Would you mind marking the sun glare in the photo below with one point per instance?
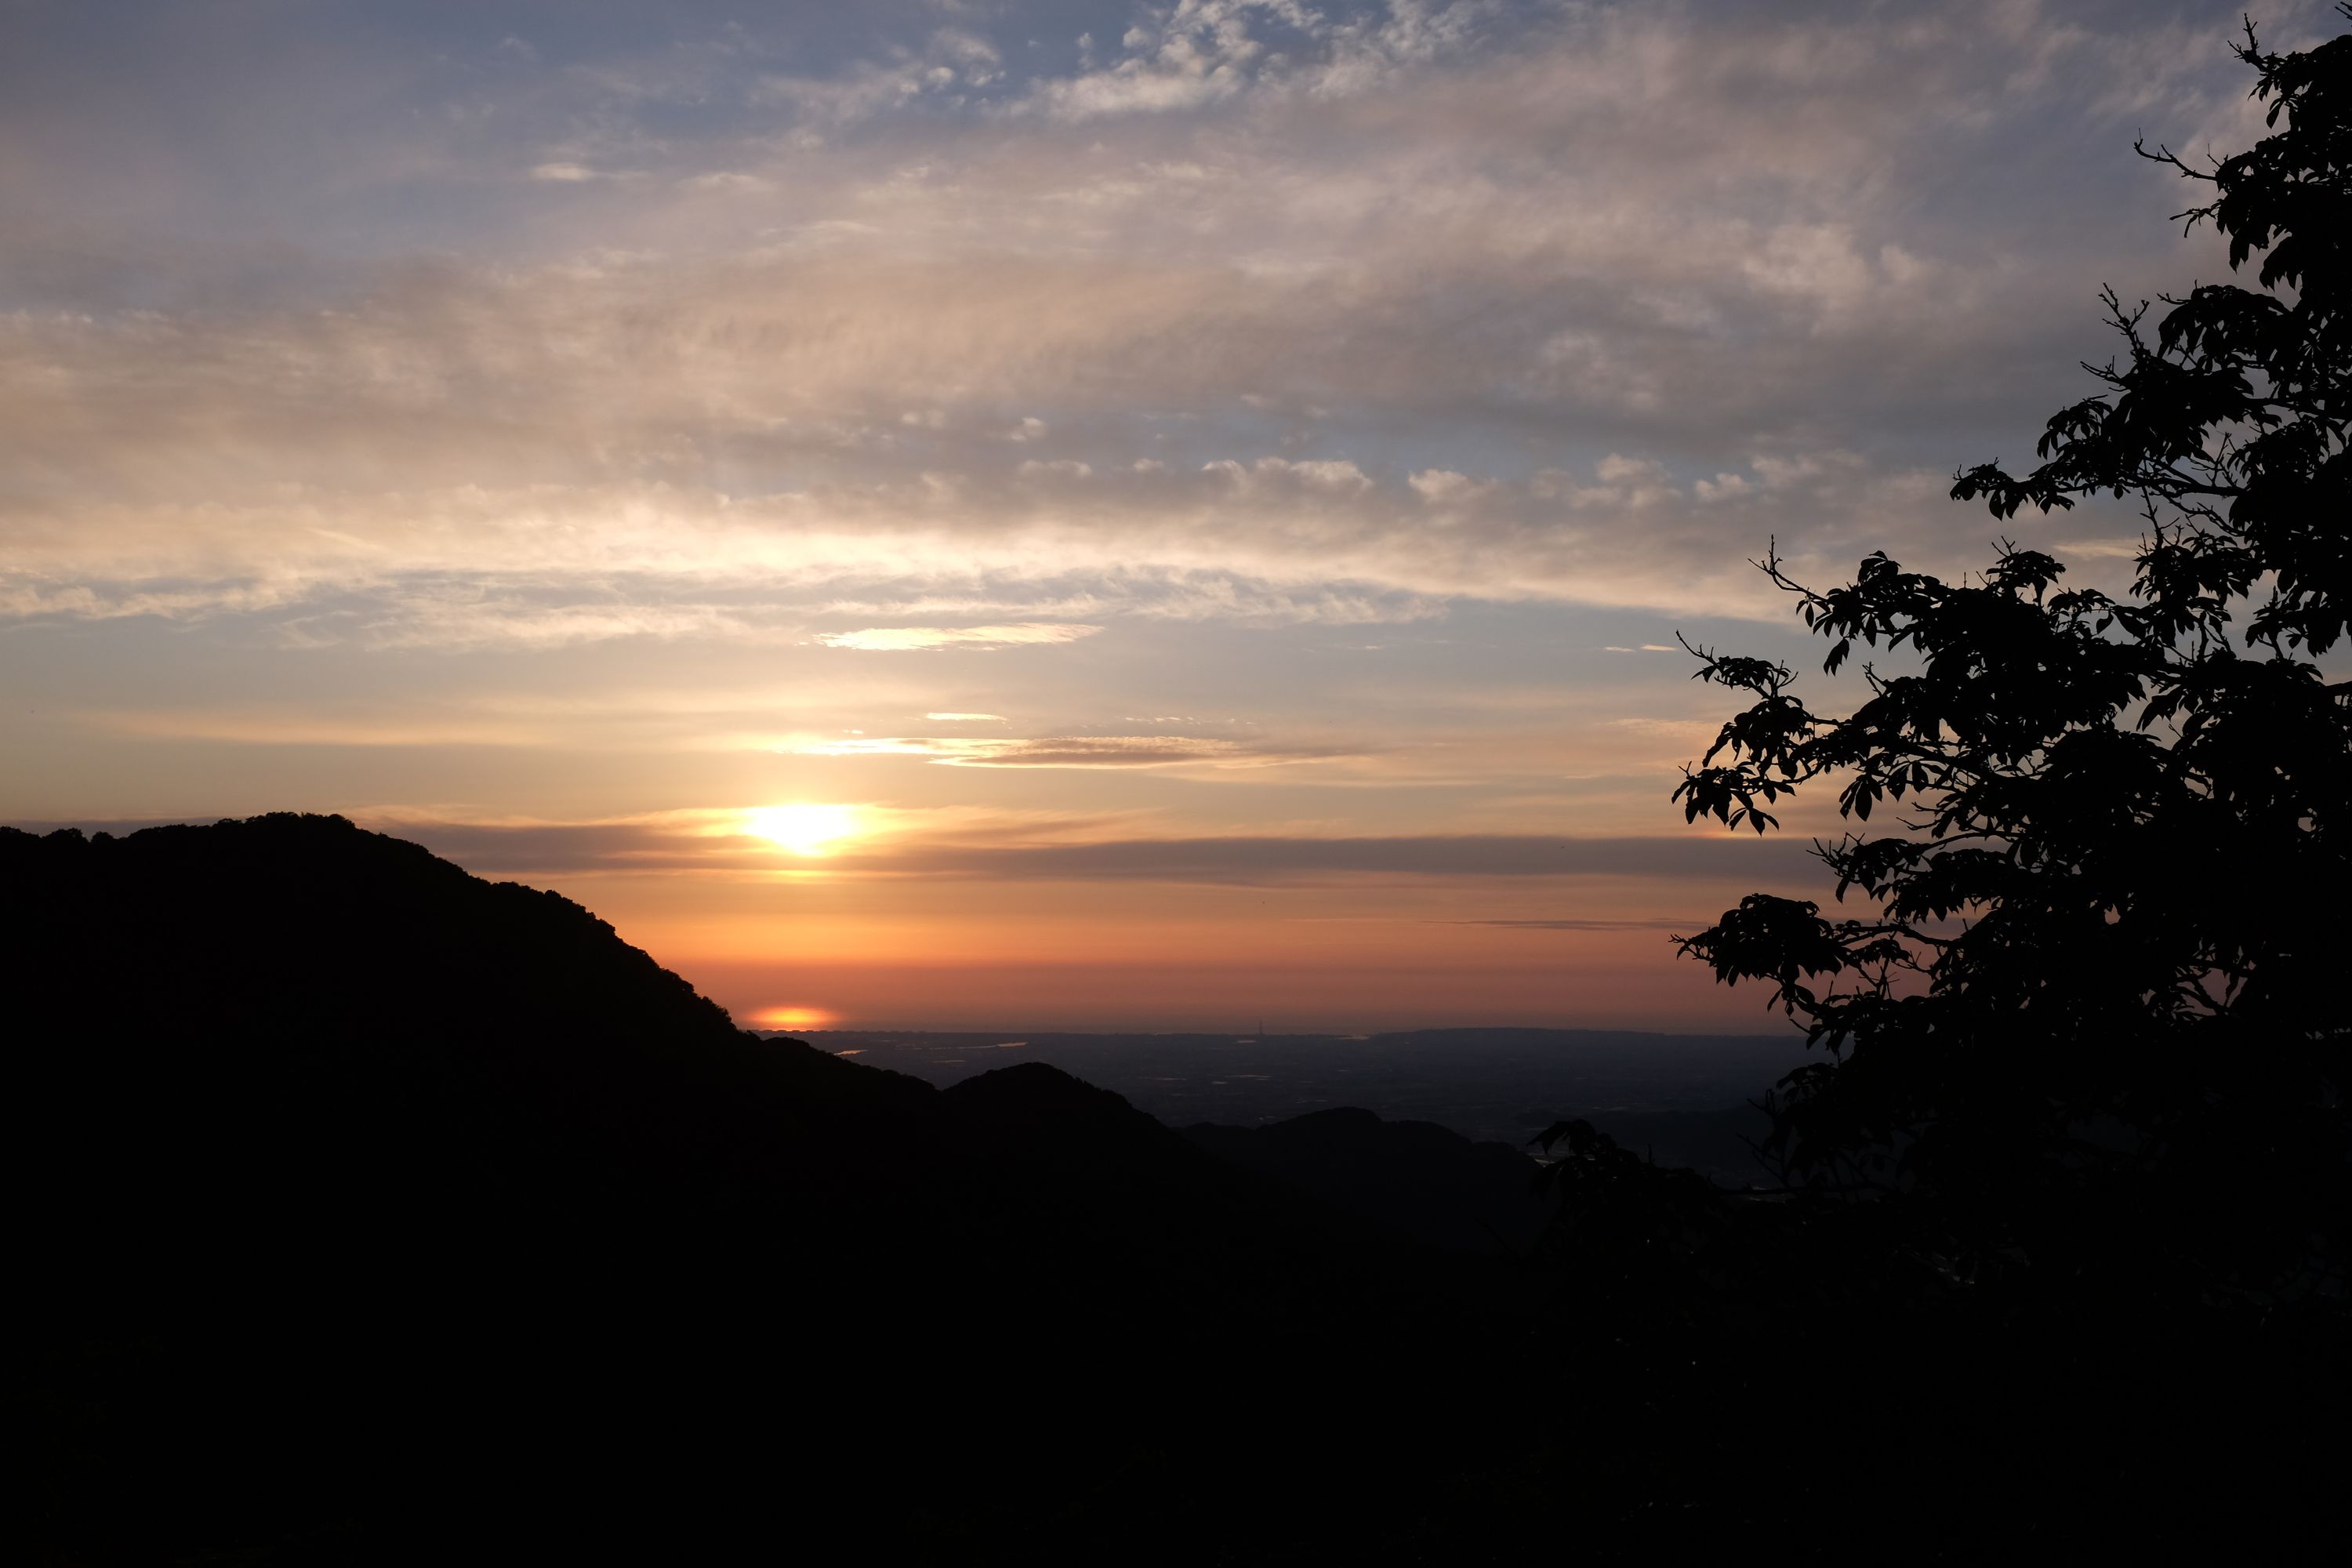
(791, 1018)
(803, 829)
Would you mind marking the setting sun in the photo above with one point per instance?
(803, 829)
(792, 1018)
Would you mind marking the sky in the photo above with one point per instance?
(961, 514)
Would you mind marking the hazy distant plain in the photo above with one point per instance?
(1687, 1097)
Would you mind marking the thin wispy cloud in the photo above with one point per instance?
(1267, 860)
(1045, 850)
(916, 639)
(1081, 751)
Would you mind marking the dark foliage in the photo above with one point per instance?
(2060, 1256)
(1434, 1184)
(2093, 1034)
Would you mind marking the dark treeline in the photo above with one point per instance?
(373, 1212)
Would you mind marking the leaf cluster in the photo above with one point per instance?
(2110, 835)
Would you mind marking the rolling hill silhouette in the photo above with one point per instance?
(373, 1202)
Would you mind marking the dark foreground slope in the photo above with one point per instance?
(372, 1204)
(370, 1212)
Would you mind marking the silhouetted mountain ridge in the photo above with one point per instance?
(327, 1137)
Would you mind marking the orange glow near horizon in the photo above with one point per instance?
(804, 830)
(855, 951)
(792, 1018)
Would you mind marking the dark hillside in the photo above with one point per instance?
(373, 1212)
(1437, 1186)
(369, 1198)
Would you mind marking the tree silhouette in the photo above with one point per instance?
(2096, 1030)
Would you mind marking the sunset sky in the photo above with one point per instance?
(958, 513)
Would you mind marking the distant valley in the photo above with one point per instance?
(1686, 1098)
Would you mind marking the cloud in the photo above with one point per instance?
(269, 726)
(1081, 751)
(2102, 548)
(1205, 52)
(1646, 285)
(462, 620)
(966, 717)
(1016, 849)
(905, 639)
(548, 565)
(729, 179)
(1254, 860)
(556, 848)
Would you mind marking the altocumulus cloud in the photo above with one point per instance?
(1206, 273)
